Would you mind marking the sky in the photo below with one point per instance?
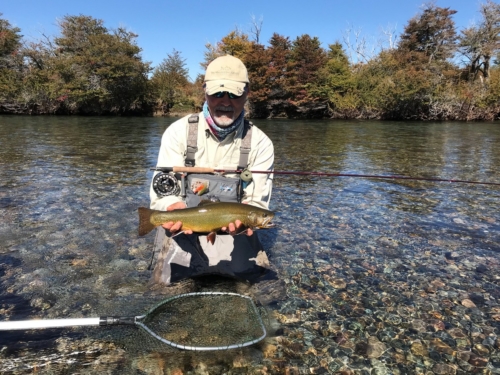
(188, 25)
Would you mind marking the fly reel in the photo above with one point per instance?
(165, 184)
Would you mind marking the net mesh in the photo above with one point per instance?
(212, 320)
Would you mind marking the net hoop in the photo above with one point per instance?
(138, 322)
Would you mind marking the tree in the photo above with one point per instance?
(257, 63)
(336, 82)
(279, 74)
(169, 81)
(308, 57)
(479, 44)
(10, 59)
(431, 33)
(100, 71)
(256, 28)
(235, 43)
(10, 39)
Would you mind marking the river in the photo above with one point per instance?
(379, 276)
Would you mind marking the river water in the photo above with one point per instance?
(378, 276)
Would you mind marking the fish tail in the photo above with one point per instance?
(145, 225)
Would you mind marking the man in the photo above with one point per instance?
(219, 137)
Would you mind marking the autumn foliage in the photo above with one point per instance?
(434, 72)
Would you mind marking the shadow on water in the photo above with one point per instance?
(377, 276)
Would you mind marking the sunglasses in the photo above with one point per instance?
(221, 94)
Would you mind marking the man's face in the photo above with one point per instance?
(225, 110)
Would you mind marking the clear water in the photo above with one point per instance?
(352, 251)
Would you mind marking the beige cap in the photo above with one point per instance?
(226, 73)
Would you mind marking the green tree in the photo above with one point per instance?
(308, 58)
(336, 83)
(170, 81)
(235, 43)
(432, 33)
(100, 71)
(10, 59)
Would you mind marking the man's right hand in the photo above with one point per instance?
(177, 226)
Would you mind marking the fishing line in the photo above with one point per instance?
(198, 321)
(246, 174)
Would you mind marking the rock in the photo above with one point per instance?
(478, 361)
(477, 299)
(444, 369)
(418, 325)
(481, 350)
(441, 347)
(269, 350)
(468, 303)
(338, 283)
(418, 349)
(481, 268)
(456, 333)
(375, 348)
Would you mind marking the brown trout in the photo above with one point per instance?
(207, 218)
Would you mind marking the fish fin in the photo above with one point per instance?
(211, 237)
(145, 225)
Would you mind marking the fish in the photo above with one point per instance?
(209, 217)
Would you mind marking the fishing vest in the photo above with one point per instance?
(213, 187)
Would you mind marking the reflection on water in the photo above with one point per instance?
(382, 276)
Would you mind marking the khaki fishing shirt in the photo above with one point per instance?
(218, 155)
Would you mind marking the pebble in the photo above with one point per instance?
(392, 277)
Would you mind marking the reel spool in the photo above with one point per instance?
(246, 175)
(165, 184)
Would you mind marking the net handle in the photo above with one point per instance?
(70, 322)
(48, 323)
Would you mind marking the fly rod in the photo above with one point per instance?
(246, 175)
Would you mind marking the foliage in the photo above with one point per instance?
(257, 61)
(307, 58)
(90, 69)
(279, 74)
(170, 84)
(479, 44)
(432, 32)
(10, 59)
(336, 82)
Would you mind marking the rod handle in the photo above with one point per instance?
(193, 169)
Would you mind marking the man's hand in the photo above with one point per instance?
(177, 226)
(232, 228)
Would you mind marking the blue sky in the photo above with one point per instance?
(187, 25)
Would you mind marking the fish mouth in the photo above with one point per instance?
(267, 223)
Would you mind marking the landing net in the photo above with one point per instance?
(205, 321)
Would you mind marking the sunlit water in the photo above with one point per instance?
(364, 260)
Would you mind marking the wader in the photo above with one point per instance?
(184, 256)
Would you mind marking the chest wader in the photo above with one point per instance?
(185, 256)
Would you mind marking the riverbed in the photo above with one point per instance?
(374, 275)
